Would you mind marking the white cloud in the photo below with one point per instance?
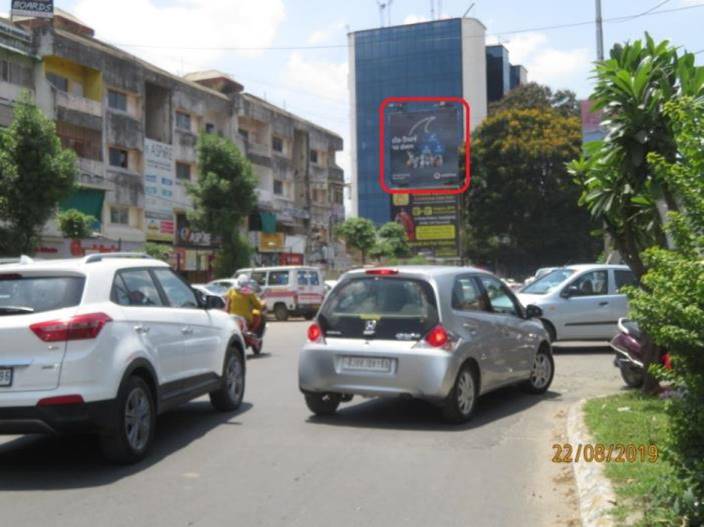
(212, 24)
(415, 19)
(333, 33)
(317, 77)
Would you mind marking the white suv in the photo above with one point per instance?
(105, 343)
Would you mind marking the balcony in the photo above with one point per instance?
(257, 149)
(77, 103)
(91, 172)
(336, 174)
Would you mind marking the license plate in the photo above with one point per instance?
(366, 364)
(5, 377)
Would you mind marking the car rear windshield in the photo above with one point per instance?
(542, 286)
(35, 294)
(380, 308)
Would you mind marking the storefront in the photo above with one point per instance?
(193, 253)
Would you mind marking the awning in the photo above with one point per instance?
(88, 201)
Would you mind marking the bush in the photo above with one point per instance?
(75, 225)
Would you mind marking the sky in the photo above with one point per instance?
(252, 40)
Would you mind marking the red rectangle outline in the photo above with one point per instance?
(382, 149)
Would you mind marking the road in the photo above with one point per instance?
(378, 462)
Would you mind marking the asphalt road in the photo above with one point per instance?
(378, 462)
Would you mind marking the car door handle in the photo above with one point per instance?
(141, 329)
(603, 304)
(187, 331)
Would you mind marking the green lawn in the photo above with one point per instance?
(632, 418)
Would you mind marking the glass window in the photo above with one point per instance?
(278, 187)
(302, 278)
(57, 81)
(313, 156)
(499, 297)
(134, 287)
(209, 128)
(21, 295)
(549, 282)
(277, 144)
(120, 215)
(183, 171)
(177, 291)
(117, 100)
(466, 296)
(183, 121)
(243, 133)
(118, 157)
(259, 277)
(278, 278)
(592, 284)
(624, 278)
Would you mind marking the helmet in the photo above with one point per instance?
(242, 282)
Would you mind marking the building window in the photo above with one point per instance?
(120, 215)
(277, 144)
(183, 171)
(278, 187)
(243, 133)
(57, 81)
(118, 157)
(183, 121)
(209, 128)
(117, 100)
(313, 156)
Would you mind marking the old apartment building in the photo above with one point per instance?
(135, 129)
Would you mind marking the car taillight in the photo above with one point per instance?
(315, 333)
(437, 337)
(382, 272)
(80, 327)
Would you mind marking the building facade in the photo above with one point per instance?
(135, 130)
(442, 58)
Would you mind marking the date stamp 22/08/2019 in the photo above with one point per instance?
(603, 453)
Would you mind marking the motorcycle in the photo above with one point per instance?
(628, 345)
(253, 337)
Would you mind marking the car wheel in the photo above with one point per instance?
(632, 377)
(552, 332)
(541, 373)
(462, 400)
(229, 396)
(323, 403)
(280, 312)
(135, 426)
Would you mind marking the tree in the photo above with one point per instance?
(158, 251)
(222, 198)
(670, 306)
(619, 186)
(391, 242)
(358, 233)
(521, 210)
(33, 169)
(533, 95)
(75, 225)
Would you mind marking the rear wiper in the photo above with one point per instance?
(13, 310)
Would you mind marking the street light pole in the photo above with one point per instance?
(599, 32)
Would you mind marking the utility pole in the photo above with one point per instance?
(599, 32)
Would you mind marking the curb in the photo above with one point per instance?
(594, 490)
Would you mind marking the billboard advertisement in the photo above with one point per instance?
(186, 236)
(33, 8)
(431, 222)
(159, 191)
(423, 147)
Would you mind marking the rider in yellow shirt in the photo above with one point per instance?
(243, 301)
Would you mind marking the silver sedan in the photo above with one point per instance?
(444, 334)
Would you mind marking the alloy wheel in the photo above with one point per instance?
(234, 378)
(138, 419)
(540, 374)
(465, 392)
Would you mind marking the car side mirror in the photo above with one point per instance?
(214, 302)
(570, 291)
(533, 311)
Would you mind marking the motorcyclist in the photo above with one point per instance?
(244, 302)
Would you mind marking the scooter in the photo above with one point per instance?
(628, 345)
(253, 339)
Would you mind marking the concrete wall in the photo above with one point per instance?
(474, 69)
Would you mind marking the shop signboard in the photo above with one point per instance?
(159, 191)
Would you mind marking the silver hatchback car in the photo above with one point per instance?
(443, 334)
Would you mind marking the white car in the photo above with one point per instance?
(104, 344)
(581, 302)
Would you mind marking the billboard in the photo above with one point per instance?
(159, 191)
(33, 8)
(186, 236)
(431, 222)
(424, 148)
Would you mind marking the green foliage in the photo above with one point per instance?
(619, 186)
(670, 307)
(75, 225)
(223, 197)
(391, 242)
(533, 95)
(33, 169)
(158, 251)
(358, 233)
(521, 210)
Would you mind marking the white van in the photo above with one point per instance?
(289, 290)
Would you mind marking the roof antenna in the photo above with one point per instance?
(432, 9)
(382, 6)
(469, 9)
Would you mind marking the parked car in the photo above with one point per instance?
(289, 290)
(444, 334)
(223, 285)
(581, 302)
(539, 274)
(105, 343)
